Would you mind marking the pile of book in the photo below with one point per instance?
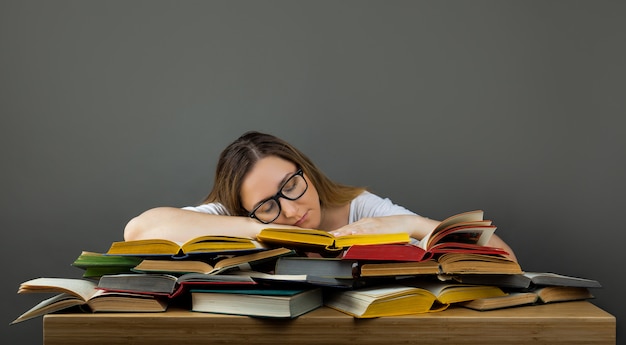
(288, 272)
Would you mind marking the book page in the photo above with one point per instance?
(77, 287)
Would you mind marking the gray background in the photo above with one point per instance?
(113, 107)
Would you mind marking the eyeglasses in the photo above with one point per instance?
(269, 209)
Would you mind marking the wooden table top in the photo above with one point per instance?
(578, 322)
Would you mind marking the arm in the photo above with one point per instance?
(416, 226)
(181, 225)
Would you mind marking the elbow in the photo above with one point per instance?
(132, 231)
(146, 225)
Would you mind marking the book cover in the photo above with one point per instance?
(96, 265)
(321, 267)
(272, 303)
(527, 280)
(382, 300)
(321, 241)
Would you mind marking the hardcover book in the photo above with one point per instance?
(321, 241)
(461, 233)
(199, 245)
(277, 303)
(222, 264)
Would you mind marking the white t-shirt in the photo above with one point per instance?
(363, 206)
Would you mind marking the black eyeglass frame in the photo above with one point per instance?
(280, 195)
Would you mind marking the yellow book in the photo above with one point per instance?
(449, 293)
(383, 300)
(319, 240)
(199, 245)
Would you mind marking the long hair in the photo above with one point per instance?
(240, 156)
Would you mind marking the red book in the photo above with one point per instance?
(411, 252)
(465, 232)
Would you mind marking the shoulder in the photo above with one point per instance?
(371, 205)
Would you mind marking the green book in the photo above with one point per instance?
(97, 264)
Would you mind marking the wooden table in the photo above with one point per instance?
(559, 323)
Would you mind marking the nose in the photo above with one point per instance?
(289, 208)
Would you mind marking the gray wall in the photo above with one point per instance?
(113, 107)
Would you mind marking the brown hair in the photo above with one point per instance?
(241, 155)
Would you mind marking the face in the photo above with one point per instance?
(266, 178)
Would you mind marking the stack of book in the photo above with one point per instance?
(289, 272)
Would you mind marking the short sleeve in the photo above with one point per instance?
(370, 205)
(210, 208)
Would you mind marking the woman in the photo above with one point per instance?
(261, 179)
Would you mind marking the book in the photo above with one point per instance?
(143, 283)
(412, 252)
(277, 303)
(467, 227)
(446, 264)
(313, 240)
(222, 264)
(527, 280)
(551, 294)
(72, 292)
(470, 263)
(315, 266)
(199, 245)
(465, 232)
(96, 265)
(160, 284)
(512, 299)
(541, 295)
(282, 280)
(387, 269)
(448, 293)
(382, 300)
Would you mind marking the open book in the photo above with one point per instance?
(79, 292)
(199, 245)
(461, 233)
(465, 228)
(321, 241)
(460, 264)
(169, 277)
(540, 295)
(382, 300)
(403, 299)
(242, 262)
(167, 285)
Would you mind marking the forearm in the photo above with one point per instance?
(416, 226)
(181, 225)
